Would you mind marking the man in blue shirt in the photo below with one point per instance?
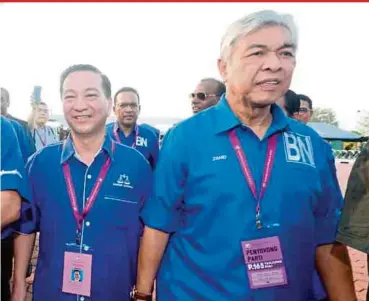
(88, 192)
(206, 94)
(237, 213)
(126, 130)
(21, 128)
(14, 190)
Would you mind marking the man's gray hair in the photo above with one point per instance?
(253, 22)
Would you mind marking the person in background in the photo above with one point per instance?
(306, 108)
(88, 192)
(207, 94)
(15, 199)
(290, 104)
(354, 226)
(25, 141)
(249, 207)
(42, 134)
(27, 148)
(126, 130)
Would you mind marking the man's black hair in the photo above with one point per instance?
(221, 88)
(291, 103)
(126, 89)
(307, 99)
(105, 82)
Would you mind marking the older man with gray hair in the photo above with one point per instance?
(229, 219)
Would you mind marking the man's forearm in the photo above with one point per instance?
(334, 267)
(152, 248)
(10, 207)
(23, 248)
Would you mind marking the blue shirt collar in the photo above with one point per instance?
(227, 120)
(117, 127)
(68, 150)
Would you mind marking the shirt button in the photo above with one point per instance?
(82, 299)
(86, 248)
(88, 224)
(89, 177)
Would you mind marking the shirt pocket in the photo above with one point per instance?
(124, 212)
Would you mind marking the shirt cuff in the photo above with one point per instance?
(326, 230)
(157, 217)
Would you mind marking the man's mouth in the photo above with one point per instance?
(269, 82)
(82, 117)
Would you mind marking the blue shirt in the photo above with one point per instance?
(147, 142)
(154, 129)
(110, 231)
(202, 199)
(13, 175)
(26, 144)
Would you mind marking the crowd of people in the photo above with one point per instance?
(238, 202)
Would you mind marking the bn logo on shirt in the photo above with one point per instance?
(140, 141)
(298, 149)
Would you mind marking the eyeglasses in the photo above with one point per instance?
(304, 110)
(201, 95)
(133, 106)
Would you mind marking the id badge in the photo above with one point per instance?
(77, 274)
(264, 262)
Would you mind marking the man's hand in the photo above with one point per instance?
(19, 292)
(30, 279)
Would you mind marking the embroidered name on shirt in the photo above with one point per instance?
(140, 141)
(217, 158)
(123, 181)
(298, 149)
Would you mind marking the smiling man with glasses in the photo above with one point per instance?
(126, 130)
(206, 94)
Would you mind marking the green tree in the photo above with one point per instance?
(325, 115)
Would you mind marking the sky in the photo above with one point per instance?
(164, 49)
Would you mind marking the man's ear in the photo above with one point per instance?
(222, 67)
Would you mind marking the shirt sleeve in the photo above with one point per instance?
(163, 209)
(29, 223)
(354, 228)
(14, 176)
(155, 151)
(330, 201)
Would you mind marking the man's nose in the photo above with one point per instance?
(80, 104)
(272, 62)
(195, 100)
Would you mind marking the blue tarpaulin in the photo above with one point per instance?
(331, 132)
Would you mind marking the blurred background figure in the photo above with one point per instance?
(306, 108)
(42, 134)
(290, 103)
(207, 94)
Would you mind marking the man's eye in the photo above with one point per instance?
(91, 95)
(287, 53)
(258, 53)
(68, 97)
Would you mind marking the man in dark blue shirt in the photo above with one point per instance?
(88, 192)
(126, 130)
(14, 190)
(229, 218)
(25, 140)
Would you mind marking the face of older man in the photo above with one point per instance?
(260, 65)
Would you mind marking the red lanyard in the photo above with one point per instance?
(92, 197)
(268, 165)
(43, 141)
(117, 138)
